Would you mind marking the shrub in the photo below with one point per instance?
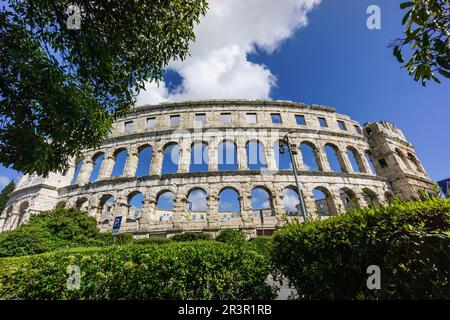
(191, 236)
(410, 242)
(260, 244)
(195, 270)
(152, 240)
(55, 229)
(231, 236)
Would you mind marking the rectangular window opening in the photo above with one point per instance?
(323, 122)
(276, 118)
(175, 121)
(251, 118)
(300, 119)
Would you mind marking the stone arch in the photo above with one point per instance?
(120, 160)
(229, 201)
(165, 200)
(335, 161)
(78, 165)
(107, 204)
(310, 156)
(227, 156)
(349, 198)
(145, 156)
(266, 203)
(171, 158)
(82, 204)
(256, 159)
(135, 201)
(282, 155)
(198, 197)
(97, 160)
(291, 200)
(355, 159)
(412, 158)
(371, 198)
(324, 201)
(199, 160)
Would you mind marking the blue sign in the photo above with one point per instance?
(445, 186)
(116, 225)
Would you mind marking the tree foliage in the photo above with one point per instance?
(427, 33)
(4, 195)
(61, 89)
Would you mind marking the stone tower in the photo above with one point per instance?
(395, 158)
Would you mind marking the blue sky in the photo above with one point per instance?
(332, 60)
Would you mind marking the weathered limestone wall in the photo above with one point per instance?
(132, 133)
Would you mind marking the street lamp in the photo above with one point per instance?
(283, 148)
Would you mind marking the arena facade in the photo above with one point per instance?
(233, 149)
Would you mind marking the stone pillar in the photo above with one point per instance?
(299, 159)
(213, 156)
(322, 159)
(241, 154)
(157, 162)
(185, 156)
(148, 208)
(93, 208)
(85, 172)
(213, 212)
(362, 162)
(71, 169)
(107, 166)
(345, 162)
(246, 209)
(179, 209)
(270, 155)
(310, 205)
(278, 206)
(132, 162)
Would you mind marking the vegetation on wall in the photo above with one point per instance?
(4, 194)
(409, 241)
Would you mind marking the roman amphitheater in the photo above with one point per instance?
(200, 165)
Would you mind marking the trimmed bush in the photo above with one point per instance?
(56, 229)
(152, 240)
(410, 242)
(231, 236)
(194, 270)
(260, 244)
(191, 236)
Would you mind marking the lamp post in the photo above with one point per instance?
(294, 168)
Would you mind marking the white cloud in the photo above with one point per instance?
(218, 66)
(198, 200)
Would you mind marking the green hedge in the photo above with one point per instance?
(191, 236)
(152, 240)
(56, 229)
(195, 270)
(231, 236)
(410, 242)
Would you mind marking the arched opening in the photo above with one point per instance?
(78, 166)
(120, 159)
(369, 159)
(309, 155)
(354, 158)
(165, 206)
(227, 156)
(199, 157)
(282, 155)
(98, 160)
(106, 205)
(334, 161)
(256, 159)
(415, 162)
(261, 202)
(403, 159)
(371, 198)
(349, 199)
(324, 201)
(23, 209)
(82, 204)
(144, 162)
(291, 201)
(135, 203)
(197, 204)
(229, 204)
(171, 156)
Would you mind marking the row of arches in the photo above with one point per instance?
(230, 202)
(227, 159)
(409, 161)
